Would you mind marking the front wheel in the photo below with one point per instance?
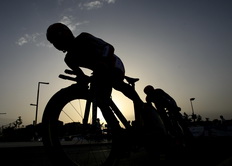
(70, 142)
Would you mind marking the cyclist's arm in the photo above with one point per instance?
(78, 72)
(171, 102)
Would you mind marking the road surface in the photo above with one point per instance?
(205, 152)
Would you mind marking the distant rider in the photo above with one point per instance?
(164, 103)
(161, 99)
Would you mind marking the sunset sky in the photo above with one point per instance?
(181, 46)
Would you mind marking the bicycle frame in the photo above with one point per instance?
(114, 108)
(92, 100)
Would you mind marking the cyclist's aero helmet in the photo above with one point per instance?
(148, 89)
(58, 31)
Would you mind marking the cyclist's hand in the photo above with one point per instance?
(83, 79)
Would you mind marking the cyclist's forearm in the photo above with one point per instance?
(79, 72)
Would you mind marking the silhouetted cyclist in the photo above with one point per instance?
(161, 99)
(162, 102)
(93, 53)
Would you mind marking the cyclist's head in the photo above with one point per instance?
(148, 89)
(60, 36)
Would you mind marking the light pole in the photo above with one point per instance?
(37, 101)
(193, 115)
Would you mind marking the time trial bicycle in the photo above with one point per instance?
(74, 136)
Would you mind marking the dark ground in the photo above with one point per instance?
(210, 151)
(206, 151)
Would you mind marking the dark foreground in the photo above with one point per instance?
(206, 151)
(214, 151)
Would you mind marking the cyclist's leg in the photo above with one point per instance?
(103, 87)
(129, 92)
(104, 81)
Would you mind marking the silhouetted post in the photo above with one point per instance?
(193, 115)
(37, 101)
